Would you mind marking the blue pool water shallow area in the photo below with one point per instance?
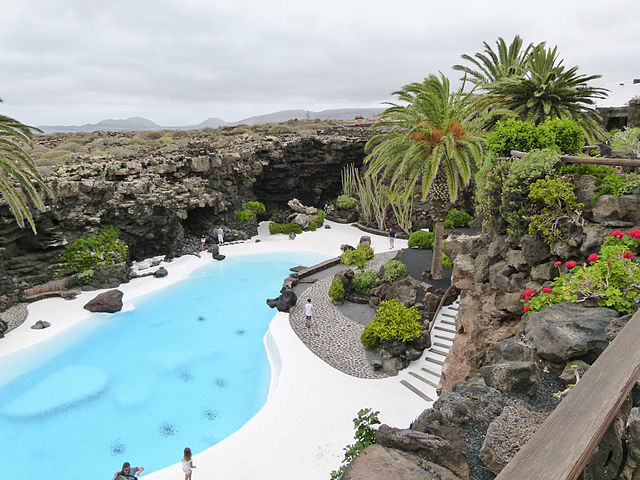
(187, 367)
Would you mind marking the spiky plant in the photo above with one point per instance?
(490, 66)
(18, 172)
(433, 141)
(549, 90)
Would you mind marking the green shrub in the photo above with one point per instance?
(395, 322)
(95, 250)
(251, 210)
(393, 270)
(446, 262)
(363, 282)
(421, 239)
(345, 202)
(561, 135)
(555, 200)
(611, 278)
(598, 171)
(285, 228)
(354, 257)
(336, 290)
(368, 338)
(317, 221)
(244, 215)
(365, 435)
(617, 183)
(457, 219)
(366, 250)
(627, 139)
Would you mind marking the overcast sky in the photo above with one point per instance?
(180, 62)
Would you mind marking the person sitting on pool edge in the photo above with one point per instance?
(127, 473)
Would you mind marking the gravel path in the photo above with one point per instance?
(15, 315)
(335, 331)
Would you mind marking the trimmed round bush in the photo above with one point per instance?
(366, 250)
(421, 239)
(393, 270)
(284, 228)
(368, 337)
(457, 219)
(336, 290)
(363, 282)
(345, 202)
(354, 257)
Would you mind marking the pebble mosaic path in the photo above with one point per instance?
(333, 337)
(15, 315)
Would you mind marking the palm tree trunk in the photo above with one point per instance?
(436, 262)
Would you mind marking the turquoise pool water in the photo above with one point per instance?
(187, 367)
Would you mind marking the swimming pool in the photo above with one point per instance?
(187, 367)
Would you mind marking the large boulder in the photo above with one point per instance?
(502, 440)
(455, 245)
(379, 463)
(610, 208)
(535, 249)
(298, 207)
(302, 219)
(285, 301)
(510, 376)
(109, 302)
(568, 330)
(450, 453)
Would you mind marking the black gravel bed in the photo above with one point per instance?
(419, 261)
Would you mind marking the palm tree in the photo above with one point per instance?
(432, 141)
(548, 90)
(492, 66)
(18, 172)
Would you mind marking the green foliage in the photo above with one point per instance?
(354, 257)
(598, 171)
(251, 211)
(336, 290)
(421, 239)
(612, 280)
(617, 183)
(345, 203)
(284, 228)
(457, 219)
(278, 216)
(567, 135)
(395, 322)
(368, 338)
(556, 202)
(393, 270)
(446, 261)
(317, 221)
(95, 250)
(627, 139)
(366, 250)
(365, 435)
(363, 282)
(244, 215)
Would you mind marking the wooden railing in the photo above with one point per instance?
(562, 446)
(623, 162)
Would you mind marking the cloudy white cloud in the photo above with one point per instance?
(179, 62)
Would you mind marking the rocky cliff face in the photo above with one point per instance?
(159, 198)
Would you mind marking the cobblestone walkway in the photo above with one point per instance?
(15, 315)
(332, 336)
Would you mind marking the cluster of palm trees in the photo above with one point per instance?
(433, 139)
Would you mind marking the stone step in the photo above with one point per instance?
(438, 344)
(433, 360)
(447, 315)
(448, 322)
(438, 352)
(435, 374)
(443, 329)
(422, 379)
(442, 337)
(416, 391)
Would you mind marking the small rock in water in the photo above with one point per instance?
(201, 318)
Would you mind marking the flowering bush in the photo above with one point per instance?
(612, 279)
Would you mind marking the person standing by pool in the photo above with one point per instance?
(187, 464)
(392, 237)
(308, 311)
(220, 233)
(127, 473)
(202, 242)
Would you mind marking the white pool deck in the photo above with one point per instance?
(307, 420)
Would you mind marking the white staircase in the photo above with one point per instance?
(423, 375)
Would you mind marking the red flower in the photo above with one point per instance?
(634, 233)
(526, 308)
(547, 290)
(628, 255)
(528, 292)
(617, 233)
(570, 264)
(557, 264)
(593, 257)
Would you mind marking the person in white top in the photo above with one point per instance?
(308, 311)
(187, 464)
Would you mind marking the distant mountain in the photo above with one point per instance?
(138, 123)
